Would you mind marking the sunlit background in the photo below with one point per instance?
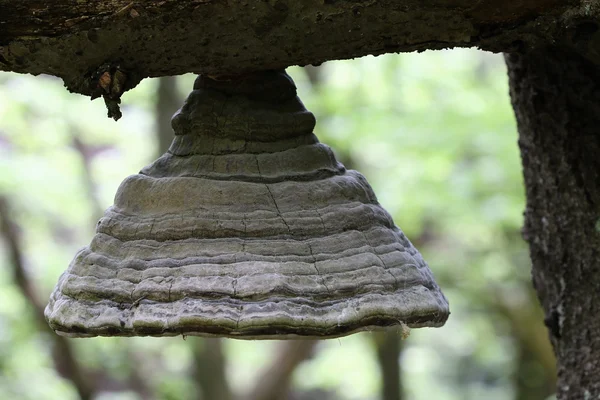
(435, 136)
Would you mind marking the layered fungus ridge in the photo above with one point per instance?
(247, 227)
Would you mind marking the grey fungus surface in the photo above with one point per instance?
(248, 228)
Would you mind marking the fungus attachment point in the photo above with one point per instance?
(248, 228)
(109, 81)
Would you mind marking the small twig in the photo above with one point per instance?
(137, 302)
(123, 10)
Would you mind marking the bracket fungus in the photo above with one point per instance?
(247, 228)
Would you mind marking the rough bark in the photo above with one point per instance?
(556, 97)
(76, 39)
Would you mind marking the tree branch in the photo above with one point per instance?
(88, 178)
(78, 40)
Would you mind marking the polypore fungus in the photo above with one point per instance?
(248, 228)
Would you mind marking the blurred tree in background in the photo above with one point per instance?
(435, 136)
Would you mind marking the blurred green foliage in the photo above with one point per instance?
(435, 136)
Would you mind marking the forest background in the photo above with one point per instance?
(435, 136)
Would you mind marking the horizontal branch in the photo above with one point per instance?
(78, 40)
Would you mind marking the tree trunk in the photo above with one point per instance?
(556, 97)
(210, 364)
(274, 381)
(389, 346)
(168, 101)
